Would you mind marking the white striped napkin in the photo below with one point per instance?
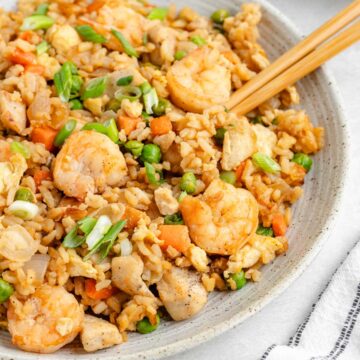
(331, 330)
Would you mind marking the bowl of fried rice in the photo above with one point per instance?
(139, 216)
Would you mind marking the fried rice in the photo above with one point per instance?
(127, 189)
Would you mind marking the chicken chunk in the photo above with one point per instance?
(98, 334)
(165, 201)
(182, 293)
(12, 111)
(126, 275)
(239, 144)
(63, 38)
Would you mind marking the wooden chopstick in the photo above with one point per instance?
(323, 33)
(305, 66)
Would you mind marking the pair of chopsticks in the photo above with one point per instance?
(299, 61)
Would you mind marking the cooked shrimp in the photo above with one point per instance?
(39, 324)
(200, 80)
(87, 163)
(222, 219)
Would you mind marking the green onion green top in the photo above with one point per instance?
(42, 9)
(65, 132)
(158, 13)
(144, 326)
(175, 219)
(24, 194)
(188, 183)
(112, 130)
(154, 177)
(266, 163)
(151, 153)
(135, 147)
(180, 55)
(219, 16)
(239, 279)
(37, 22)
(304, 160)
(72, 240)
(128, 48)
(75, 104)
(198, 40)
(63, 81)
(219, 136)
(124, 81)
(94, 88)
(265, 231)
(161, 107)
(87, 33)
(6, 290)
(228, 176)
(19, 148)
(129, 92)
(87, 224)
(42, 48)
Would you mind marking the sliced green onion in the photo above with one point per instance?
(256, 120)
(275, 121)
(113, 105)
(87, 33)
(87, 224)
(198, 40)
(37, 22)
(151, 174)
(228, 176)
(42, 48)
(100, 128)
(65, 132)
(76, 85)
(145, 87)
(158, 13)
(265, 231)
(112, 130)
(175, 219)
(239, 279)
(144, 326)
(73, 68)
(42, 9)
(6, 290)
(151, 100)
(101, 227)
(19, 148)
(151, 153)
(188, 183)
(124, 81)
(161, 107)
(75, 104)
(24, 194)
(72, 240)
(129, 92)
(146, 117)
(128, 48)
(63, 81)
(303, 160)
(179, 55)
(219, 16)
(182, 196)
(94, 88)
(145, 39)
(266, 163)
(135, 147)
(219, 136)
(23, 209)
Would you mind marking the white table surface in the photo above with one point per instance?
(279, 320)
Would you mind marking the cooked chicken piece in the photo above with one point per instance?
(77, 267)
(182, 293)
(265, 139)
(98, 334)
(126, 275)
(63, 38)
(239, 144)
(12, 111)
(165, 201)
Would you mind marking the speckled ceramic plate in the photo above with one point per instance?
(313, 217)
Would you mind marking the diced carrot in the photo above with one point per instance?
(29, 36)
(95, 5)
(127, 123)
(41, 175)
(239, 171)
(176, 236)
(36, 69)
(92, 293)
(21, 57)
(44, 135)
(279, 224)
(132, 217)
(161, 125)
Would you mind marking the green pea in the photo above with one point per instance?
(228, 176)
(219, 136)
(160, 108)
(75, 104)
(219, 16)
(180, 55)
(65, 132)
(188, 183)
(24, 194)
(304, 160)
(265, 231)
(135, 147)
(151, 153)
(175, 219)
(239, 279)
(6, 290)
(144, 326)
